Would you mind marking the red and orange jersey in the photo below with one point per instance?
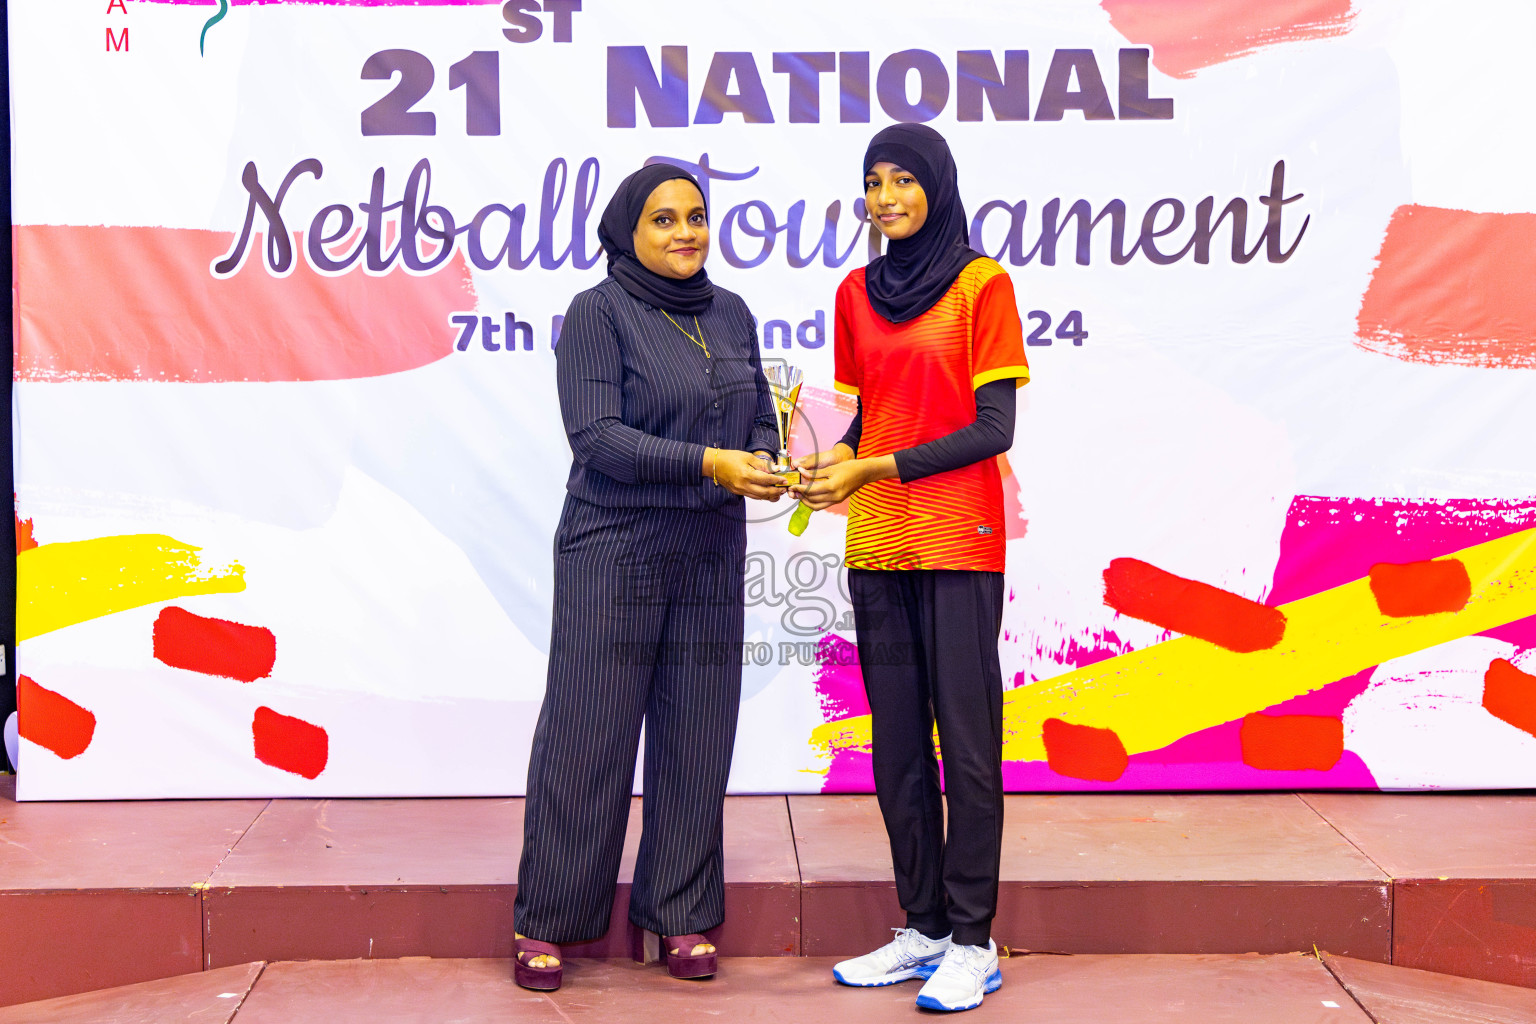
(918, 382)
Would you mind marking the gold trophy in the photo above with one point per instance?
(784, 382)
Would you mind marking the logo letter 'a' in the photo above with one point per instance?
(117, 5)
(114, 43)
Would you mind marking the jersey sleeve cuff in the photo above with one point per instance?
(847, 389)
(1018, 373)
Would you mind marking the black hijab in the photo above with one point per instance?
(616, 232)
(916, 271)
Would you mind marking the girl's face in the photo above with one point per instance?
(896, 203)
(672, 236)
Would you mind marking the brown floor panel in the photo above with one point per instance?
(306, 923)
(338, 879)
(336, 843)
(116, 844)
(1400, 995)
(394, 992)
(1437, 835)
(210, 997)
(762, 884)
(1196, 917)
(58, 943)
(1113, 873)
(783, 990)
(96, 894)
(1464, 865)
(109, 893)
(1476, 929)
(1155, 989)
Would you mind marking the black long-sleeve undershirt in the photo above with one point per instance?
(990, 435)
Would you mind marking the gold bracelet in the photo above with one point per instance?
(714, 468)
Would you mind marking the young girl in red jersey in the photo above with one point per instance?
(928, 337)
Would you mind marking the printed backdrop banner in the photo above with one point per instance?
(290, 277)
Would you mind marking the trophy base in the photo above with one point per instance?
(787, 471)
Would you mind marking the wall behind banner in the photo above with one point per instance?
(290, 277)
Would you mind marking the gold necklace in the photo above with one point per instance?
(699, 341)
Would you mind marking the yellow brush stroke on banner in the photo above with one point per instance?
(58, 585)
(1159, 694)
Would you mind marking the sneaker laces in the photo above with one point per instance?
(907, 945)
(963, 960)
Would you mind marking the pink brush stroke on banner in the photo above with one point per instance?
(840, 688)
(1079, 651)
(139, 303)
(1454, 288)
(1209, 759)
(1187, 35)
(1326, 542)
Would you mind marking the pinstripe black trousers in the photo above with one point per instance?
(648, 622)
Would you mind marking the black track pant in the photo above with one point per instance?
(927, 643)
(647, 628)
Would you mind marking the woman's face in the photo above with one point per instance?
(672, 237)
(896, 203)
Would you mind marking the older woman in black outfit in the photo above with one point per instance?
(665, 406)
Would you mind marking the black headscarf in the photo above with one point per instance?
(916, 271)
(616, 232)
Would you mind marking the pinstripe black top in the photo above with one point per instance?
(641, 402)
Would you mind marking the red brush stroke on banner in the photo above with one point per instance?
(1142, 591)
(115, 303)
(1083, 752)
(1453, 287)
(24, 541)
(1510, 695)
(1186, 35)
(1292, 743)
(52, 720)
(1420, 588)
(213, 647)
(291, 744)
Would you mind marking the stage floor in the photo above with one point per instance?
(94, 895)
(1289, 988)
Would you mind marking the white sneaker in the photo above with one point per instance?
(966, 974)
(911, 954)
